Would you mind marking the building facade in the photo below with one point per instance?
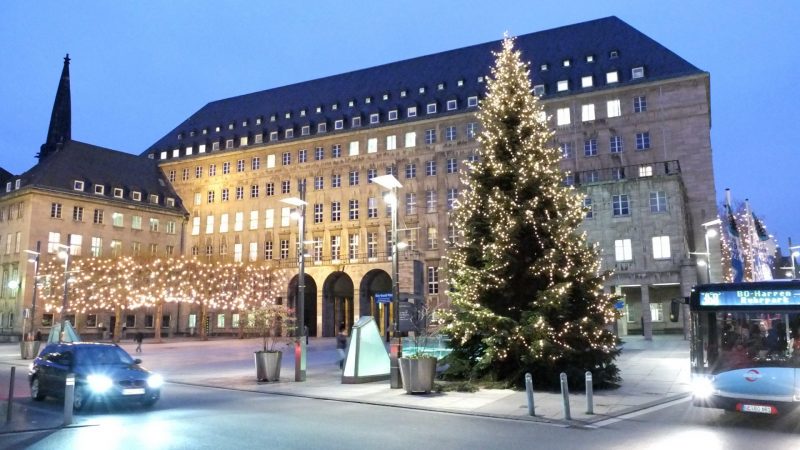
(631, 118)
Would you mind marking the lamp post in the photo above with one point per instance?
(794, 252)
(392, 184)
(300, 343)
(65, 255)
(35, 260)
(708, 233)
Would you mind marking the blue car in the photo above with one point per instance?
(102, 372)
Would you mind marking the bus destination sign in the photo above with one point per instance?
(751, 297)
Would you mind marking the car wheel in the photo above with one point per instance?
(78, 399)
(36, 390)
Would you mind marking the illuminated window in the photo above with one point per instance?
(623, 250)
(661, 248)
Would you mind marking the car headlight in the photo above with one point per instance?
(703, 387)
(99, 383)
(155, 381)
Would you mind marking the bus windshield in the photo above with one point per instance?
(738, 340)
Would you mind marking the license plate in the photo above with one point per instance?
(761, 409)
(133, 391)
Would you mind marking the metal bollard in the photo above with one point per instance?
(529, 391)
(11, 394)
(69, 396)
(589, 393)
(565, 396)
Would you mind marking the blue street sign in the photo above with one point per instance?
(383, 297)
(620, 304)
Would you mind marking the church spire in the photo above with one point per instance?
(60, 130)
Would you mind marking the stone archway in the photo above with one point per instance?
(375, 281)
(337, 303)
(309, 302)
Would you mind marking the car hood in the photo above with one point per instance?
(116, 372)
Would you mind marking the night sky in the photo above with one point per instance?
(140, 68)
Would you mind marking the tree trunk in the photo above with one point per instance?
(202, 325)
(159, 313)
(117, 324)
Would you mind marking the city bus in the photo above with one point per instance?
(745, 346)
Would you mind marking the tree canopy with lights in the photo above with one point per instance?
(527, 292)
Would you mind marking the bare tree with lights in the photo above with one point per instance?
(527, 291)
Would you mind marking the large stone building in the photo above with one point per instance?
(632, 120)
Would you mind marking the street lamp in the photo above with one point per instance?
(794, 252)
(35, 260)
(64, 254)
(300, 343)
(709, 233)
(392, 184)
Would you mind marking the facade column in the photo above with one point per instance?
(647, 319)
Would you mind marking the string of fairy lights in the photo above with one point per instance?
(518, 184)
(129, 283)
(749, 229)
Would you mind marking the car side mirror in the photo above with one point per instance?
(137, 361)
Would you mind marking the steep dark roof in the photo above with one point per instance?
(100, 166)
(574, 42)
(60, 129)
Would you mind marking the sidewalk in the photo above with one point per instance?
(652, 372)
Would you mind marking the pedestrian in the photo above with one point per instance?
(138, 338)
(341, 344)
(38, 335)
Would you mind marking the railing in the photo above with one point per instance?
(361, 258)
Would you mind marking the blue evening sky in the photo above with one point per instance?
(140, 68)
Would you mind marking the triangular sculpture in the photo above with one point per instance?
(366, 359)
(70, 335)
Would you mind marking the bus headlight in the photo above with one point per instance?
(155, 381)
(703, 387)
(99, 383)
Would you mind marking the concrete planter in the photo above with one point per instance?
(268, 365)
(29, 349)
(418, 374)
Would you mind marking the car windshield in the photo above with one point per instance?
(103, 356)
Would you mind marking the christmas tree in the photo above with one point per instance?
(527, 294)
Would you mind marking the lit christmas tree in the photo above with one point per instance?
(527, 293)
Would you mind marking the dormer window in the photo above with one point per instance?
(338, 125)
(460, 82)
(273, 118)
(440, 86)
(77, 185)
(258, 121)
(422, 90)
(403, 94)
(230, 126)
(188, 150)
(356, 122)
(118, 192)
(8, 187)
(305, 130)
(392, 114)
(563, 85)
(385, 97)
(205, 130)
(334, 106)
(589, 58)
(613, 54)
(566, 63)
(154, 199)
(244, 123)
(538, 90)
(302, 113)
(319, 109)
(322, 127)
(544, 67)
(217, 129)
(163, 155)
(136, 196)
(170, 202)
(180, 136)
(368, 100)
(374, 118)
(587, 81)
(99, 189)
(411, 112)
(431, 109)
(351, 103)
(612, 77)
(229, 143)
(472, 101)
(637, 72)
(288, 115)
(17, 183)
(288, 133)
(452, 104)
(176, 152)
(273, 136)
(480, 79)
